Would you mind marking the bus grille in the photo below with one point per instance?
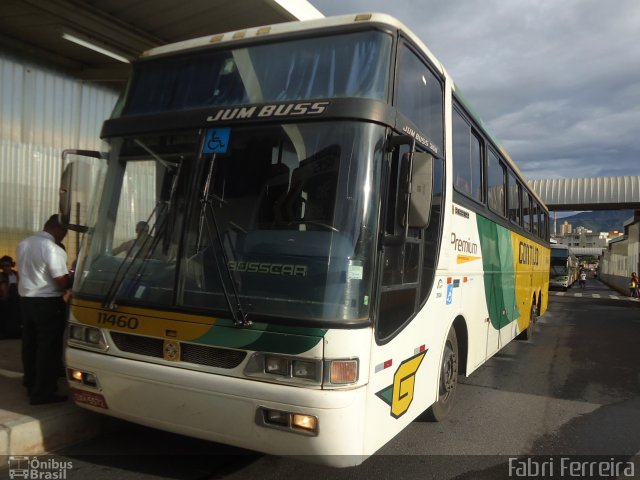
(189, 352)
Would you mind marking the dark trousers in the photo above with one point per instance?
(43, 323)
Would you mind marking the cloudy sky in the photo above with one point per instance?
(556, 81)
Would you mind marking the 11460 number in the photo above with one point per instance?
(120, 321)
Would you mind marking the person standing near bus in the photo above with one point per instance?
(9, 299)
(44, 279)
(583, 279)
(633, 285)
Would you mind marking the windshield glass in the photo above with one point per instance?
(559, 270)
(350, 65)
(278, 220)
(131, 252)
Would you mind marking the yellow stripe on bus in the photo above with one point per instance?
(142, 321)
(467, 258)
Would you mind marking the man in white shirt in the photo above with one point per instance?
(44, 279)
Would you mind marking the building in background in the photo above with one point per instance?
(584, 238)
(42, 112)
(622, 256)
(565, 228)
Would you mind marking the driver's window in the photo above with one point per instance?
(401, 258)
(137, 201)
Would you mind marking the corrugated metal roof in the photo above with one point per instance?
(34, 28)
(605, 193)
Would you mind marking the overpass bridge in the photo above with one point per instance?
(621, 256)
(603, 193)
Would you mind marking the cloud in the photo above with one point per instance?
(555, 81)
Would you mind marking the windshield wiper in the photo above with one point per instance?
(157, 230)
(238, 314)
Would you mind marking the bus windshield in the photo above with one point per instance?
(280, 221)
(349, 65)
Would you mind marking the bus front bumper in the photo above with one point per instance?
(223, 409)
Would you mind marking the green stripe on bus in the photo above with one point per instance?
(262, 337)
(499, 272)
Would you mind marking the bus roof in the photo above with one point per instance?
(278, 29)
(336, 22)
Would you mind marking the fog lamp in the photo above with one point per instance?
(308, 423)
(277, 417)
(90, 380)
(75, 375)
(80, 376)
(299, 423)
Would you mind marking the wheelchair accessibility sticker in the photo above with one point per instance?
(449, 294)
(217, 140)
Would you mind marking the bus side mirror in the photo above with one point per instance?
(76, 181)
(420, 196)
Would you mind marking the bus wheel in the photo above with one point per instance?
(448, 380)
(527, 334)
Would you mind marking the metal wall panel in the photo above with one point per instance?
(42, 112)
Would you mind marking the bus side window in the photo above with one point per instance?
(514, 200)
(535, 220)
(495, 184)
(544, 225)
(526, 211)
(467, 158)
(420, 95)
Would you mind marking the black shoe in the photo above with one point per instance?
(51, 399)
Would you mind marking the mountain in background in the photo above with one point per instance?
(597, 221)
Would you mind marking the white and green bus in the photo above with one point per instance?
(563, 271)
(331, 237)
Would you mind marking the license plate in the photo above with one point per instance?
(88, 398)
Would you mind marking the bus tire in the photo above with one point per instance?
(447, 382)
(527, 334)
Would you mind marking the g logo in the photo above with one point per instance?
(404, 382)
(400, 395)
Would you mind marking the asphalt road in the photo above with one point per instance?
(571, 392)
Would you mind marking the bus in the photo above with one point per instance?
(563, 271)
(330, 238)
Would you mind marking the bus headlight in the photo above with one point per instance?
(83, 336)
(305, 369)
(334, 373)
(278, 368)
